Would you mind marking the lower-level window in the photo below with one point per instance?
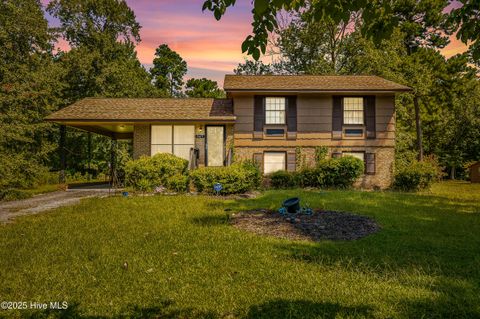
(173, 139)
(359, 155)
(274, 161)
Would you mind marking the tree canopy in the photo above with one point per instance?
(168, 71)
(203, 88)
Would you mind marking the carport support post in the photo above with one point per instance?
(113, 147)
(89, 154)
(63, 157)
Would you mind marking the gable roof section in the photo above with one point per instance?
(313, 83)
(145, 109)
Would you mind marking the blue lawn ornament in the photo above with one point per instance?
(217, 187)
(125, 194)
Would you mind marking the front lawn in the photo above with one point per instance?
(176, 256)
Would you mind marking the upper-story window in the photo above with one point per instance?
(353, 110)
(274, 110)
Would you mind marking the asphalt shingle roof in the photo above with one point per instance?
(330, 83)
(146, 109)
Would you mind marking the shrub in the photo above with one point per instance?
(339, 172)
(147, 173)
(335, 172)
(13, 194)
(236, 178)
(416, 176)
(283, 179)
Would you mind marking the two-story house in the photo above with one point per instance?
(268, 118)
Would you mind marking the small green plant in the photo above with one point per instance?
(320, 153)
(300, 158)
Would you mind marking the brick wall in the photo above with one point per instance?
(384, 161)
(141, 140)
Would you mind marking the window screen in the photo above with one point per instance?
(174, 139)
(353, 110)
(274, 161)
(274, 110)
(359, 155)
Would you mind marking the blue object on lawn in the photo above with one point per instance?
(125, 194)
(217, 187)
(292, 205)
(282, 210)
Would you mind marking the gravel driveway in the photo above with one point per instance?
(43, 202)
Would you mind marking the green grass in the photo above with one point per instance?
(185, 261)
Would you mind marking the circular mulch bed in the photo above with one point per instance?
(322, 224)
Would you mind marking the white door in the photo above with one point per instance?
(274, 161)
(215, 148)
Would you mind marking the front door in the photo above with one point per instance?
(215, 149)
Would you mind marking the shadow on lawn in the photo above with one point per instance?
(279, 308)
(164, 311)
(282, 308)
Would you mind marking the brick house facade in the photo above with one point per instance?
(273, 120)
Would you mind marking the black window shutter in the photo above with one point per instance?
(337, 117)
(291, 162)
(292, 114)
(258, 113)
(258, 159)
(370, 116)
(370, 163)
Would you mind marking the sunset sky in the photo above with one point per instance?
(211, 48)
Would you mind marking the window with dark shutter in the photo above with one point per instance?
(258, 159)
(292, 114)
(258, 113)
(337, 116)
(370, 163)
(370, 116)
(291, 162)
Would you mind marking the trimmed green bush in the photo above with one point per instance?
(283, 179)
(334, 173)
(416, 176)
(236, 178)
(147, 173)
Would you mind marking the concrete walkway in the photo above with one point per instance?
(43, 202)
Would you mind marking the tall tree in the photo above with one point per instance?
(466, 20)
(29, 90)
(95, 23)
(316, 47)
(250, 67)
(168, 71)
(203, 88)
(102, 62)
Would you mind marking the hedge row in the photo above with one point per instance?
(170, 172)
(335, 172)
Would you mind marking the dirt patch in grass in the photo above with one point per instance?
(322, 224)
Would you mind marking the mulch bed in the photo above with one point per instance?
(321, 225)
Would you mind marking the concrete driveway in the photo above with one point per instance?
(44, 202)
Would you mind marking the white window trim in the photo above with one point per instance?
(361, 112)
(276, 111)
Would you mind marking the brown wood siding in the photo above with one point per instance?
(314, 123)
(314, 113)
(243, 110)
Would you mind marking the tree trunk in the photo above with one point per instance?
(418, 125)
(63, 157)
(452, 172)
